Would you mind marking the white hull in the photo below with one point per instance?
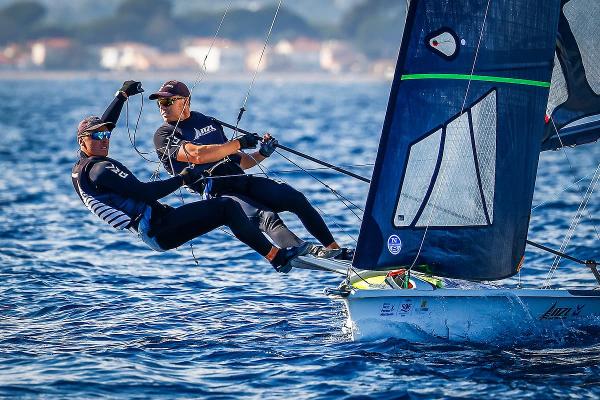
(459, 310)
(485, 315)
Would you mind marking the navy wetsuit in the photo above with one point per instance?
(114, 194)
(258, 193)
(260, 198)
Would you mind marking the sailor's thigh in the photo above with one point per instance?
(196, 218)
(250, 207)
(276, 196)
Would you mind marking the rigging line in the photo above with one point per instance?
(298, 153)
(574, 223)
(286, 171)
(556, 195)
(298, 170)
(243, 107)
(137, 122)
(263, 170)
(462, 109)
(564, 151)
(335, 193)
(199, 79)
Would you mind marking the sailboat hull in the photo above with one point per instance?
(471, 315)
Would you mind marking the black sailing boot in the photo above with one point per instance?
(281, 262)
(344, 253)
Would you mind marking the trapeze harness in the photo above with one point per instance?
(118, 211)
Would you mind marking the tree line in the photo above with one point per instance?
(374, 26)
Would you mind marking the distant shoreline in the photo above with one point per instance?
(191, 76)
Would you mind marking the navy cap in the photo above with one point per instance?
(170, 89)
(92, 122)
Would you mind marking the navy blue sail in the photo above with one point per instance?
(573, 112)
(457, 160)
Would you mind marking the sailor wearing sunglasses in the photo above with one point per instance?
(111, 192)
(189, 137)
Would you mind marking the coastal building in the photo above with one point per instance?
(54, 53)
(15, 56)
(128, 56)
(224, 55)
(338, 56)
(298, 55)
(254, 61)
(384, 68)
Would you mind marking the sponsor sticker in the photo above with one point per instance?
(394, 244)
(387, 310)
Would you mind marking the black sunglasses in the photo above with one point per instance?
(168, 101)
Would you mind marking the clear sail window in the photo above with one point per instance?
(586, 29)
(460, 191)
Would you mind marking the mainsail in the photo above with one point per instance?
(455, 171)
(573, 111)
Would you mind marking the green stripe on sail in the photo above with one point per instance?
(498, 79)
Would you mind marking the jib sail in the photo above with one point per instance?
(573, 112)
(455, 171)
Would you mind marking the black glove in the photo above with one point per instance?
(248, 141)
(190, 176)
(267, 147)
(131, 88)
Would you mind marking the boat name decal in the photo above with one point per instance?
(555, 312)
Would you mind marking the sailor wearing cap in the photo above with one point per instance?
(190, 137)
(111, 192)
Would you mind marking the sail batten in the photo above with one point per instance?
(457, 160)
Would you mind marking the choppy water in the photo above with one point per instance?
(86, 312)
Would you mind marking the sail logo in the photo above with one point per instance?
(443, 42)
(204, 131)
(394, 244)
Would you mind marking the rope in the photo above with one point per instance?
(142, 154)
(556, 195)
(251, 86)
(243, 107)
(339, 196)
(199, 79)
(564, 151)
(579, 213)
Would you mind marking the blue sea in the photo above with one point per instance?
(87, 312)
